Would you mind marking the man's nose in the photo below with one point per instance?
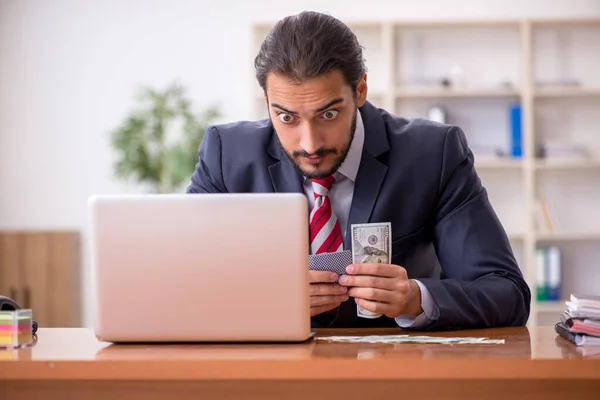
(310, 140)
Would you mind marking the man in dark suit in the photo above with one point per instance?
(452, 266)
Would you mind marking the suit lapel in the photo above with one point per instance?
(284, 176)
(371, 172)
(366, 190)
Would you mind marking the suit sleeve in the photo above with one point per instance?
(481, 285)
(208, 175)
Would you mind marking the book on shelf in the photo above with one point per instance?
(545, 218)
(548, 279)
(580, 321)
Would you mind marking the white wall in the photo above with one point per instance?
(68, 69)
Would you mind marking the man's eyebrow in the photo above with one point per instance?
(331, 103)
(283, 108)
(325, 107)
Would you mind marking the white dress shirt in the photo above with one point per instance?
(341, 194)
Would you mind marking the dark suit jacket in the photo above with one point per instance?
(419, 176)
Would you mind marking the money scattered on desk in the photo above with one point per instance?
(409, 339)
(371, 243)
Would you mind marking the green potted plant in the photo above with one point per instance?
(157, 143)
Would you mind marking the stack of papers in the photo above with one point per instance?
(580, 322)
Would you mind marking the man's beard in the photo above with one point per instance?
(318, 174)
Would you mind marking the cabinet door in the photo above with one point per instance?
(35, 276)
(63, 279)
(10, 266)
(40, 271)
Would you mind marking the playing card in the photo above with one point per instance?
(333, 262)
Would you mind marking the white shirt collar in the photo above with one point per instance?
(349, 167)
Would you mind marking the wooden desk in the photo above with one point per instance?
(532, 364)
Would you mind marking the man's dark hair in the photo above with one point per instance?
(308, 45)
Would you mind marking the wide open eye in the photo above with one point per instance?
(285, 118)
(330, 114)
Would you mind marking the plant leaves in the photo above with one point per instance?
(145, 149)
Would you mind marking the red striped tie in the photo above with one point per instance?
(325, 231)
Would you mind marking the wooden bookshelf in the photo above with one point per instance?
(569, 236)
(436, 92)
(567, 92)
(507, 164)
(551, 306)
(567, 164)
(505, 61)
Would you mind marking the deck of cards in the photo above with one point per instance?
(333, 262)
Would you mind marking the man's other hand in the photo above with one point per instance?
(325, 294)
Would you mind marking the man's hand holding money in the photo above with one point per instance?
(383, 289)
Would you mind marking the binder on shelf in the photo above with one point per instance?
(548, 274)
(554, 271)
(516, 130)
(540, 275)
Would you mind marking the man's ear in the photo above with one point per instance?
(361, 91)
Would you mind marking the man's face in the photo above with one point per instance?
(315, 120)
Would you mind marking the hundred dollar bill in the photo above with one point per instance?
(371, 243)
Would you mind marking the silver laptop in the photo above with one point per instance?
(200, 268)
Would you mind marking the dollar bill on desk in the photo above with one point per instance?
(371, 243)
(409, 339)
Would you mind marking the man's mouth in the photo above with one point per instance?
(314, 160)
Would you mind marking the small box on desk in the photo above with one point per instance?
(16, 329)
